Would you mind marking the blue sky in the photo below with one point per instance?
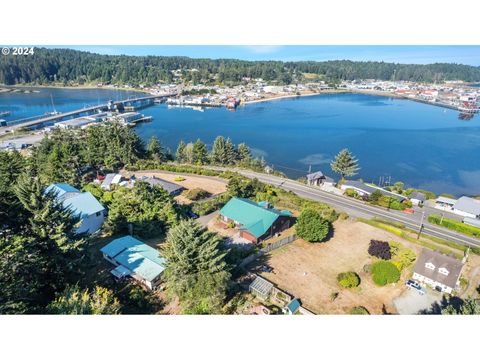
(418, 54)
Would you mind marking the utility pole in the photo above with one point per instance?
(421, 225)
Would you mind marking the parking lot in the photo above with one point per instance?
(411, 302)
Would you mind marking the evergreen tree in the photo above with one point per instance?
(469, 306)
(200, 154)
(149, 209)
(218, 154)
(230, 152)
(311, 226)
(74, 301)
(155, 150)
(244, 153)
(195, 270)
(180, 155)
(345, 164)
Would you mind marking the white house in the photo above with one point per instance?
(444, 203)
(467, 207)
(91, 212)
(111, 179)
(365, 189)
(439, 271)
(318, 179)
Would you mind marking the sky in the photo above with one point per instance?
(418, 54)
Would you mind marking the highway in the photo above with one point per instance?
(357, 208)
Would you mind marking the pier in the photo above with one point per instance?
(53, 118)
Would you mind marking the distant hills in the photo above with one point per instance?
(48, 66)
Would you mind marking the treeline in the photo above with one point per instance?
(78, 67)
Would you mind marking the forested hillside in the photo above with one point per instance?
(78, 67)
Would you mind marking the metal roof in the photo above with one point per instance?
(166, 185)
(261, 286)
(293, 305)
(255, 218)
(473, 222)
(468, 205)
(136, 256)
(418, 196)
(82, 204)
(369, 189)
(316, 175)
(446, 200)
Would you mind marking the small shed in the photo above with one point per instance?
(261, 288)
(293, 307)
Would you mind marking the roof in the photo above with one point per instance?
(473, 222)
(254, 217)
(61, 189)
(166, 185)
(446, 200)
(369, 189)
(84, 204)
(316, 175)
(293, 305)
(136, 256)
(468, 205)
(418, 196)
(439, 260)
(111, 178)
(261, 286)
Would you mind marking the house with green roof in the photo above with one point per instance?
(135, 259)
(257, 221)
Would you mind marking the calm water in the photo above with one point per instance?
(422, 145)
(23, 105)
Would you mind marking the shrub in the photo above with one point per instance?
(348, 279)
(311, 226)
(367, 268)
(380, 249)
(455, 225)
(343, 216)
(359, 310)
(402, 257)
(351, 192)
(196, 194)
(210, 205)
(384, 272)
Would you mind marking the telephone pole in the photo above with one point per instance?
(421, 225)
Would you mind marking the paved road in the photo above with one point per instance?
(357, 208)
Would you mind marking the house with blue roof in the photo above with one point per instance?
(257, 221)
(83, 204)
(135, 259)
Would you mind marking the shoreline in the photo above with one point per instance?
(69, 87)
(293, 96)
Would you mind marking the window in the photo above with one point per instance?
(98, 213)
(430, 266)
(443, 271)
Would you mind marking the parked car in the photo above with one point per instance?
(409, 211)
(412, 284)
(266, 268)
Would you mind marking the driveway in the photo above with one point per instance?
(411, 302)
(205, 219)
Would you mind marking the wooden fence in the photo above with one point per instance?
(267, 249)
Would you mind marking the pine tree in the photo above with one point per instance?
(469, 306)
(230, 152)
(155, 150)
(200, 154)
(180, 153)
(345, 164)
(218, 153)
(195, 270)
(244, 153)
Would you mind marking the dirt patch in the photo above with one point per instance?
(308, 271)
(209, 183)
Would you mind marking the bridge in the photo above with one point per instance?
(83, 111)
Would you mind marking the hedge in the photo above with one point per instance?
(455, 225)
(348, 279)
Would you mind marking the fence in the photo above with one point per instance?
(267, 249)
